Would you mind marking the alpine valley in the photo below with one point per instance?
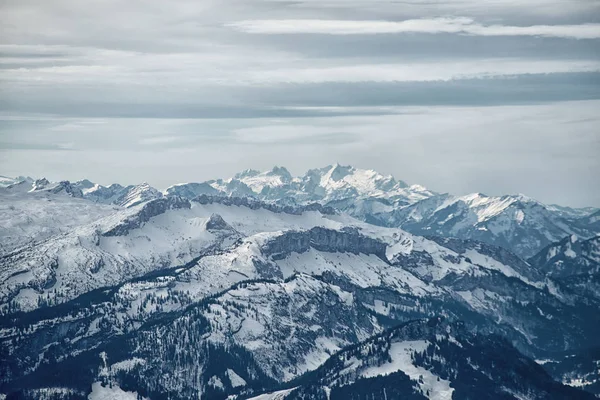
(339, 284)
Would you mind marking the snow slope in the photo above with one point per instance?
(32, 217)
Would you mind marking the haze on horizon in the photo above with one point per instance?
(460, 96)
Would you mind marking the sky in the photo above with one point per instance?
(495, 96)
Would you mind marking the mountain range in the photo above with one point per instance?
(516, 222)
(340, 284)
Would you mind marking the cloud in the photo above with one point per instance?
(423, 72)
(171, 73)
(495, 150)
(185, 90)
(295, 134)
(462, 25)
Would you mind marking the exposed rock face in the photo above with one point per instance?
(147, 211)
(414, 260)
(67, 188)
(217, 223)
(40, 184)
(62, 186)
(255, 204)
(350, 241)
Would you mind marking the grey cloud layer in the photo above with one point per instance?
(436, 25)
(120, 82)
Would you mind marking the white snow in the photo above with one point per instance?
(216, 382)
(520, 216)
(235, 379)
(100, 392)
(32, 217)
(400, 353)
(127, 365)
(491, 263)
(570, 253)
(279, 395)
(545, 361)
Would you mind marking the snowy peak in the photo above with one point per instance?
(363, 182)
(572, 213)
(216, 223)
(128, 196)
(488, 207)
(516, 222)
(281, 172)
(190, 190)
(337, 172)
(138, 194)
(40, 184)
(247, 173)
(333, 182)
(6, 182)
(43, 185)
(259, 181)
(85, 184)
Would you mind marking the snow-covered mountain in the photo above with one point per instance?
(239, 295)
(5, 181)
(31, 217)
(573, 264)
(124, 196)
(570, 256)
(427, 359)
(572, 213)
(518, 222)
(331, 183)
(43, 185)
(191, 190)
(591, 221)
(194, 292)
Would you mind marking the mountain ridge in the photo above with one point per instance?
(516, 222)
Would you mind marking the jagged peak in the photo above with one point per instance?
(522, 198)
(281, 171)
(44, 185)
(338, 172)
(40, 184)
(143, 185)
(85, 184)
(246, 173)
(216, 222)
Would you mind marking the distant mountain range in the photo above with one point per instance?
(268, 286)
(516, 222)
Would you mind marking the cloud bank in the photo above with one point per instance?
(461, 25)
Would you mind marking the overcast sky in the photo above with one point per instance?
(495, 96)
